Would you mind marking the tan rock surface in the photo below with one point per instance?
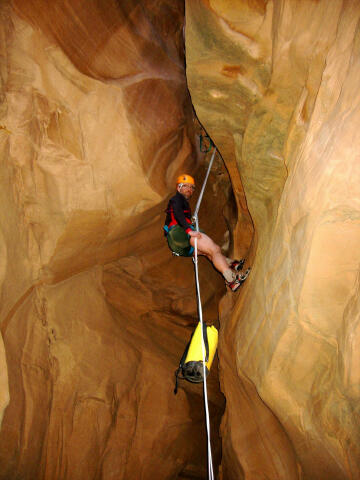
(94, 111)
(95, 313)
(276, 85)
(96, 373)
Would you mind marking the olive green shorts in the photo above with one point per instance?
(179, 241)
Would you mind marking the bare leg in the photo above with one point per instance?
(207, 247)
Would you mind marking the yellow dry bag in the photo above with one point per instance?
(191, 363)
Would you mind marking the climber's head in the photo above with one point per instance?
(185, 185)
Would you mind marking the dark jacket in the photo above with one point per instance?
(178, 212)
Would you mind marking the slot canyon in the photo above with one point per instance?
(103, 103)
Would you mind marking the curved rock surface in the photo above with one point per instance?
(95, 125)
(276, 86)
(95, 313)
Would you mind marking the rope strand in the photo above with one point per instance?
(195, 216)
(207, 416)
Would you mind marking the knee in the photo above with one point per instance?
(215, 250)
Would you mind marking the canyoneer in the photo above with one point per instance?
(181, 234)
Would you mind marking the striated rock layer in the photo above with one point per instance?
(96, 123)
(276, 84)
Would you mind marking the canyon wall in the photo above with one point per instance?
(275, 83)
(96, 124)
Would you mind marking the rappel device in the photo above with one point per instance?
(203, 140)
(191, 363)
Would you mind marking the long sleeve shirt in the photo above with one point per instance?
(178, 212)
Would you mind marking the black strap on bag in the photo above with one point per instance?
(181, 364)
(183, 358)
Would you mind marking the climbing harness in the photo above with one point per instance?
(192, 350)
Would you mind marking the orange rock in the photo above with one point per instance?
(276, 86)
(95, 312)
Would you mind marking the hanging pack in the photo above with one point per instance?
(191, 363)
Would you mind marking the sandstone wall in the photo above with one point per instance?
(276, 86)
(95, 125)
(95, 313)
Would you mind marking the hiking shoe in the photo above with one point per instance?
(239, 280)
(234, 285)
(243, 276)
(237, 265)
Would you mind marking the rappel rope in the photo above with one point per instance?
(195, 259)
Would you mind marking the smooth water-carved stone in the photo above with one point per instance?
(97, 126)
(275, 83)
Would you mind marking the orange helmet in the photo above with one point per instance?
(185, 178)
